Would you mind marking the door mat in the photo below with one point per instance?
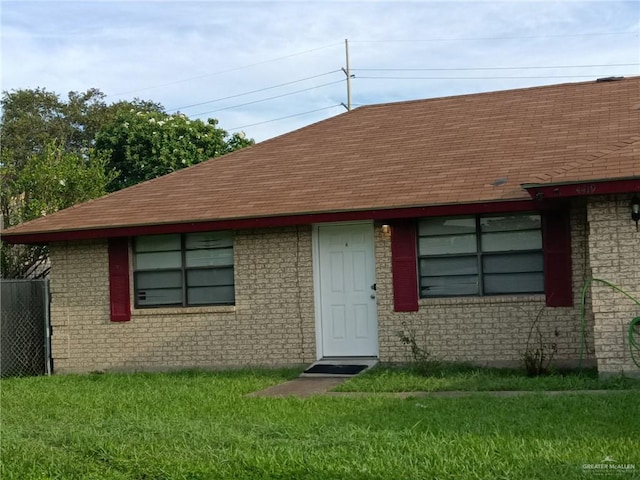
(336, 369)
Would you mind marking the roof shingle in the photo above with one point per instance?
(417, 153)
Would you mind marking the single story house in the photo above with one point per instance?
(460, 219)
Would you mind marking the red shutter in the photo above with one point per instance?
(404, 267)
(556, 234)
(119, 279)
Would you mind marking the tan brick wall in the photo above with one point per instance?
(485, 330)
(614, 247)
(272, 322)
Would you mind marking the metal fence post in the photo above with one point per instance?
(48, 367)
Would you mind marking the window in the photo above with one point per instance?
(486, 255)
(190, 269)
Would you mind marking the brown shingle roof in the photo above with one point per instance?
(416, 153)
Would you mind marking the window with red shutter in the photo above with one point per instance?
(498, 254)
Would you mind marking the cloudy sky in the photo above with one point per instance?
(269, 67)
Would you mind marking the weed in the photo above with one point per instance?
(538, 354)
(422, 360)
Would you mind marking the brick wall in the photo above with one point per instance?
(614, 247)
(272, 322)
(486, 330)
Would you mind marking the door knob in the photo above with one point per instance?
(373, 296)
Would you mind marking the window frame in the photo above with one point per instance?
(183, 270)
(479, 255)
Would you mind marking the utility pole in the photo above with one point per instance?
(347, 72)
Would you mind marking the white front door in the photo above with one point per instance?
(346, 274)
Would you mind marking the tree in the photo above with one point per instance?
(58, 178)
(46, 163)
(47, 182)
(56, 153)
(144, 144)
(33, 118)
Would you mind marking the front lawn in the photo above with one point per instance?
(198, 425)
(466, 378)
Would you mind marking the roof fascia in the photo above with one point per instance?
(551, 191)
(276, 221)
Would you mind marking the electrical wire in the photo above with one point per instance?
(304, 52)
(486, 68)
(481, 78)
(375, 69)
(234, 69)
(288, 116)
(269, 98)
(254, 91)
(372, 69)
(593, 34)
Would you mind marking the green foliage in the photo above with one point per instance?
(56, 153)
(33, 118)
(202, 426)
(46, 164)
(143, 145)
(58, 178)
(49, 180)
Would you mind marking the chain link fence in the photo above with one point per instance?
(24, 328)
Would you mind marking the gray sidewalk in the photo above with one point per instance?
(304, 387)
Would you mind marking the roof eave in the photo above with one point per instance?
(568, 189)
(379, 214)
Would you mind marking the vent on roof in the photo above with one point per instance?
(499, 181)
(609, 79)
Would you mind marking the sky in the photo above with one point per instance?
(270, 67)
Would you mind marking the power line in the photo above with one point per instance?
(379, 70)
(487, 68)
(479, 78)
(493, 38)
(359, 41)
(226, 71)
(269, 98)
(288, 116)
(253, 91)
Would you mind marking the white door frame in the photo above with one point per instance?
(315, 245)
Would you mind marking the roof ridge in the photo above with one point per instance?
(498, 92)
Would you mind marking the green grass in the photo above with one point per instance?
(199, 425)
(467, 378)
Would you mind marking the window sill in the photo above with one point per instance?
(489, 299)
(147, 312)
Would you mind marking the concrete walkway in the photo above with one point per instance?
(304, 387)
(301, 387)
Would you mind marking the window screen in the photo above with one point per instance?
(182, 270)
(487, 255)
